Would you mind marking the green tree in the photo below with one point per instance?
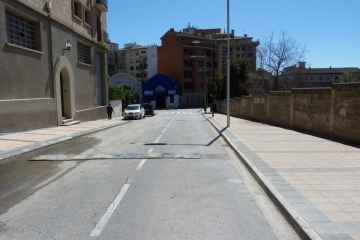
(348, 77)
(239, 78)
(123, 93)
(215, 86)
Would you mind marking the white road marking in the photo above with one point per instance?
(168, 125)
(157, 140)
(164, 130)
(105, 218)
(150, 150)
(140, 164)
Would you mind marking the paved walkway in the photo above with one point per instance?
(314, 181)
(12, 144)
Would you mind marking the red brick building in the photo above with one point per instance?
(183, 56)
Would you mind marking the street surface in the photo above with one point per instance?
(170, 176)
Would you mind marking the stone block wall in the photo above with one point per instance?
(279, 108)
(346, 111)
(330, 112)
(260, 107)
(311, 110)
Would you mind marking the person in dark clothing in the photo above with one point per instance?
(109, 110)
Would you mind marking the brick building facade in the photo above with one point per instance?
(192, 55)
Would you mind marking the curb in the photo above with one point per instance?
(301, 227)
(36, 146)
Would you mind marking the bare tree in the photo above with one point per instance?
(274, 55)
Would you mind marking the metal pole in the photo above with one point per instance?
(228, 66)
(205, 84)
(213, 85)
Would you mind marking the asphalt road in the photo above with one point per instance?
(199, 190)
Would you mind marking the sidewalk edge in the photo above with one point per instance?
(300, 226)
(22, 150)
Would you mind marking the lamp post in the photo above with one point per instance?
(205, 98)
(228, 65)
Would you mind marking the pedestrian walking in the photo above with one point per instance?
(109, 110)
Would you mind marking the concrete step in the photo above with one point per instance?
(70, 123)
(66, 120)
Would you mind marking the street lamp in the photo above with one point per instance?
(228, 65)
(205, 102)
(227, 35)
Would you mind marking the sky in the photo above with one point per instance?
(330, 29)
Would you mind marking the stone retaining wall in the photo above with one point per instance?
(330, 112)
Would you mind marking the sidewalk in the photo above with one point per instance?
(12, 144)
(314, 182)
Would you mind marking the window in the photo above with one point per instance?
(171, 98)
(237, 55)
(200, 64)
(78, 9)
(20, 31)
(200, 52)
(137, 67)
(187, 74)
(336, 78)
(137, 54)
(200, 86)
(131, 68)
(131, 60)
(131, 54)
(87, 16)
(224, 49)
(200, 74)
(208, 64)
(138, 75)
(137, 60)
(188, 85)
(143, 51)
(237, 48)
(83, 53)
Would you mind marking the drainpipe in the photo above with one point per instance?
(50, 45)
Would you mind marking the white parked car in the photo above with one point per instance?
(134, 111)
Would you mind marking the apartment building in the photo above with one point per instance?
(192, 55)
(132, 59)
(189, 56)
(112, 58)
(53, 62)
(240, 47)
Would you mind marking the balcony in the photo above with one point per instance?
(102, 5)
(103, 38)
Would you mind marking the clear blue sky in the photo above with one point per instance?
(329, 28)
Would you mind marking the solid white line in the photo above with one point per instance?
(105, 218)
(157, 140)
(164, 130)
(150, 150)
(140, 164)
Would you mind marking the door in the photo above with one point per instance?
(62, 95)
